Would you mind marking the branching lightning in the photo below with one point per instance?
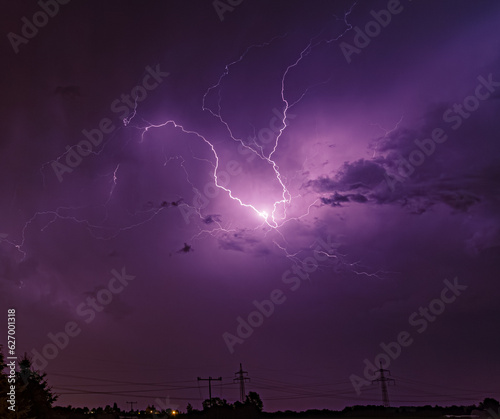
(273, 220)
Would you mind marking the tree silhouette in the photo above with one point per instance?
(490, 405)
(254, 399)
(34, 395)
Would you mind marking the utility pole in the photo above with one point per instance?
(384, 380)
(210, 379)
(241, 378)
(131, 405)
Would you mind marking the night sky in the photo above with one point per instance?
(303, 187)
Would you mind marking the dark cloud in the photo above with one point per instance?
(360, 174)
(186, 249)
(413, 194)
(212, 218)
(243, 241)
(337, 199)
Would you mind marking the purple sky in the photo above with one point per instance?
(385, 181)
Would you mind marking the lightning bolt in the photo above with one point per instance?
(387, 132)
(272, 220)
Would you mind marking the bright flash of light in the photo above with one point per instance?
(277, 213)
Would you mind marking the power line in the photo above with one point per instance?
(241, 378)
(210, 379)
(384, 380)
(410, 390)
